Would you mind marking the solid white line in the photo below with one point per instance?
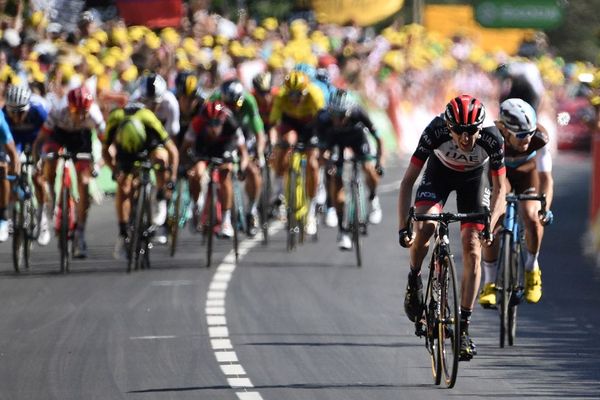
(233, 369)
(226, 356)
(249, 396)
(239, 382)
(212, 320)
(152, 337)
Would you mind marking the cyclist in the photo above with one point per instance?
(459, 152)
(152, 92)
(9, 165)
(71, 127)
(136, 133)
(294, 111)
(521, 80)
(25, 119)
(190, 97)
(346, 125)
(528, 170)
(215, 133)
(264, 92)
(245, 109)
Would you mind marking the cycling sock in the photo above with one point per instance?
(531, 263)
(313, 206)
(372, 195)
(227, 217)
(254, 207)
(123, 229)
(3, 214)
(465, 320)
(489, 271)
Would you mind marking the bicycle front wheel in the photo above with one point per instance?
(211, 221)
(449, 326)
(292, 222)
(64, 230)
(504, 286)
(174, 218)
(355, 211)
(265, 197)
(143, 261)
(18, 242)
(431, 321)
(517, 272)
(136, 236)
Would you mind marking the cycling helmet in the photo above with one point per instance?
(131, 135)
(518, 116)
(214, 110)
(186, 83)
(322, 75)
(296, 81)
(262, 82)
(152, 87)
(17, 97)
(308, 69)
(80, 99)
(341, 102)
(232, 92)
(465, 113)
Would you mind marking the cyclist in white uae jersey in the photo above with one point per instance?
(459, 153)
(71, 127)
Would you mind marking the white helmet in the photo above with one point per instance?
(17, 97)
(518, 116)
(152, 87)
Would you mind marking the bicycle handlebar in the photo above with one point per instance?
(448, 217)
(511, 198)
(67, 155)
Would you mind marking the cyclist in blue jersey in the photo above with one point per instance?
(316, 77)
(25, 119)
(9, 165)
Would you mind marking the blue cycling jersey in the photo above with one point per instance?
(26, 131)
(5, 135)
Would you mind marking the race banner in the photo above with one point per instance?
(151, 13)
(362, 12)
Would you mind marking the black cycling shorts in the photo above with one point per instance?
(472, 188)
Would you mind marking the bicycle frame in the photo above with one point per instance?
(297, 204)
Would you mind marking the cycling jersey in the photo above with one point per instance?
(223, 146)
(247, 115)
(5, 134)
(264, 107)
(437, 139)
(303, 112)
(167, 111)
(156, 134)
(25, 132)
(352, 134)
(61, 119)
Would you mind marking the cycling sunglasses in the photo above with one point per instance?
(469, 130)
(522, 135)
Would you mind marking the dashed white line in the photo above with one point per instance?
(217, 323)
(152, 337)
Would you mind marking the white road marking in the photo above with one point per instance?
(233, 369)
(239, 382)
(152, 337)
(249, 396)
(217, 323)
(172, 283)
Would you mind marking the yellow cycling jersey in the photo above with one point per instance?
(310, 104)
(154, 128)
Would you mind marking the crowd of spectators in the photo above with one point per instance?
(401, 67)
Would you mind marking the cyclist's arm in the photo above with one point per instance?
(257, 124)
(404, 197)
(499, 187)
(544, 168)
(172, 122)
(11, 151)
(242, 149)
(39, 141)
(173, 157)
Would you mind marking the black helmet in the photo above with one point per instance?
(232, 92)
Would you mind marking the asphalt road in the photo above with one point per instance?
(305, 325)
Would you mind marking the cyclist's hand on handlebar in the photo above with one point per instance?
(546, 217)
(487, 238)
(379, 168)
(404, 239)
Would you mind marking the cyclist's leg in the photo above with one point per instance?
(4, 197)
(194, 176)
(253, 187)
(123, 198)
(49, 173)
(226, 190)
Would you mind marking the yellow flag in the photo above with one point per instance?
(362, 12)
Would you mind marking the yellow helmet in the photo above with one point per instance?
(131, 135)
(296, 81)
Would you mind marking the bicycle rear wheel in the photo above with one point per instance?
(449, 326)
(173, 222)
(504, 286)
(18, 240)
(64, 231)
